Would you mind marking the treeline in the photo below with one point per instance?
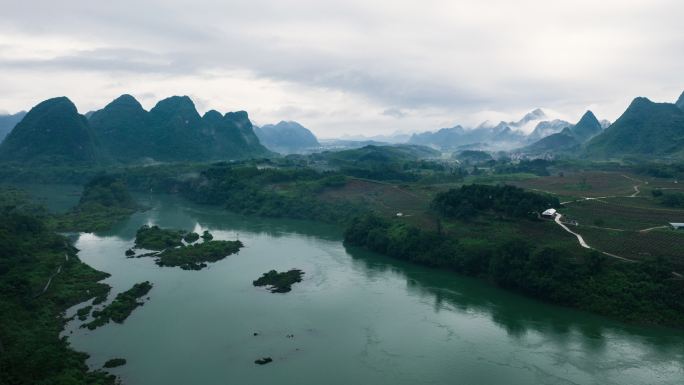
(642, 292)
(31, 351)
(509, 201)
(104, 201)
(669, 199)
(286, 193)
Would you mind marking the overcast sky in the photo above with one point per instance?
(354, 67)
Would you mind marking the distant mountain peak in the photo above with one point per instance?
(52, 131)
(124, 100)
(680, 101)
(536, 114)
(287, 137)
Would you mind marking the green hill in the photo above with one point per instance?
(680, 101)
(53, 132)
(173, 131)
(287, 137)
(570, 139)
(381, 154)
(559, 142)
(232, 136)
(645, 129)
(587, 127)
(122, 128)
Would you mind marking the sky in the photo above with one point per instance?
(347, 67)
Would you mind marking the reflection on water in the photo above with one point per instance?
(357, 317)
(514, 313)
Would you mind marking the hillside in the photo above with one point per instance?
(382, 154)
(52, 132)
(287, 137)
(587, 127)
(562, 141)
(645, 129)
(500, 136)
(569, 139)
(121, 128)
(7, 123)
(680, 101)
(173, 131)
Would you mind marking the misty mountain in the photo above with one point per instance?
(546, 128)
(680, 101)
(569, 139)
(173, 130)
(287, 137)
(7, 123)
(502, 136)
(52, 132)
(123, 131)
(394, 138)
(645, 129)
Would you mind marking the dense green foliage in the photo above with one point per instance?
(509, 201)
(195, 256)
(270, 192)
(105, 200)
(51, 133)
(379, 162)
(156, 238)
(191, 237)
(669, 199)
(122, 306)
(279, 282)
(472, 156)
(31, 351)
(642, 292)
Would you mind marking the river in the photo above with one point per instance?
(357, 318)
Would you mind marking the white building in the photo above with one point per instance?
(549, 213)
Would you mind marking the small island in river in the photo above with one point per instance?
(279, 282)
(170, 250)
(194, 257)
(122, 306)
(114, 362)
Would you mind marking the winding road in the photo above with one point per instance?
(49, 281)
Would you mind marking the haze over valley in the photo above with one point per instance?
(302, 192)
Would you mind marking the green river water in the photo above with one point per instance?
(357, 318)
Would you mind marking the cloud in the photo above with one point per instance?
(394, 112)
(347, 67)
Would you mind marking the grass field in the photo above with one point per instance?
(637, 245)
(621, 213)
(582, 184)
(386, 199)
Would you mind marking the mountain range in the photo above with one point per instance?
(500, 136)
(123, 131)
(53, 132)
(570, 138)
(7, 123)
(287, 137)
(645, 129)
